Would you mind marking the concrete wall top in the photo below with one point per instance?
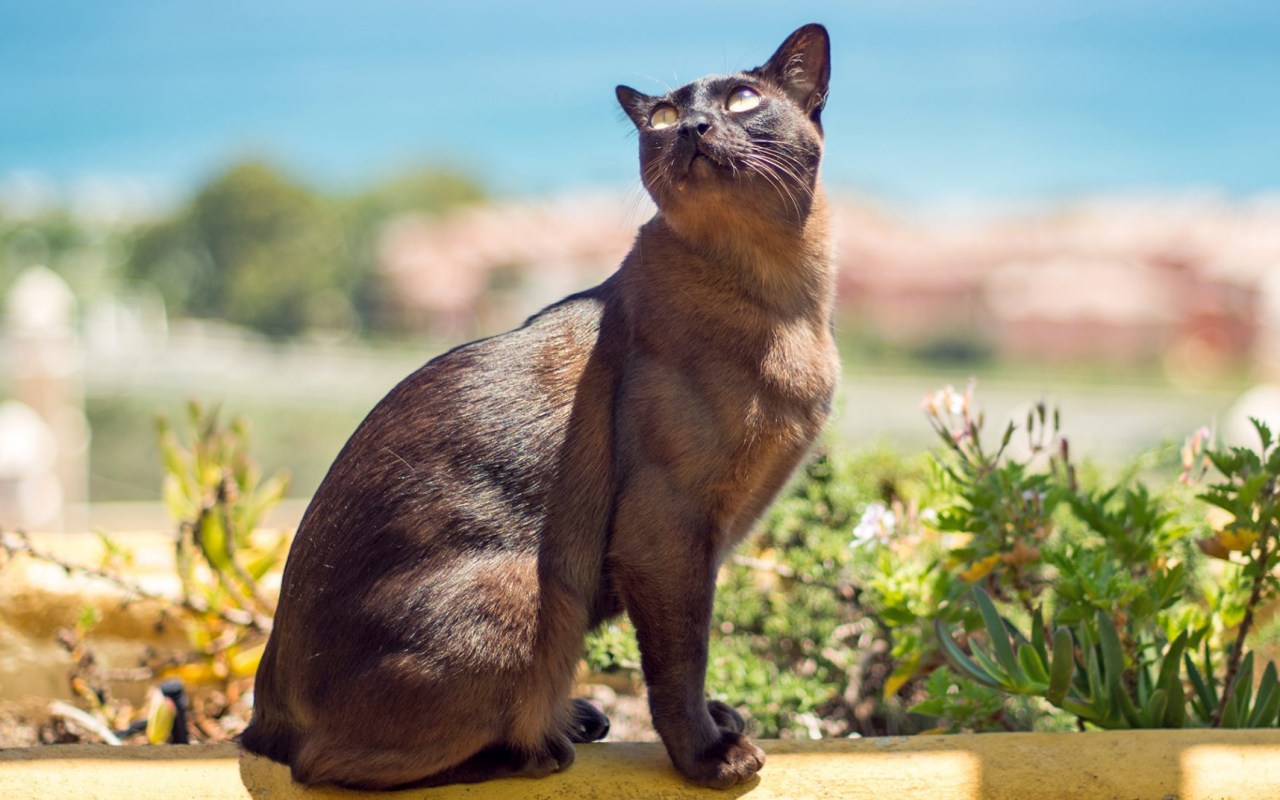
(1146, 765)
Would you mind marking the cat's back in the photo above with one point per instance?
(515, 378)
(467, 453)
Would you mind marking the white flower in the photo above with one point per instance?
(876, 524)
(812, 724)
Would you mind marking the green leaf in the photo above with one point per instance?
(996, 630)
(213, 541)
(1035, 669)
(1231, 716)
(933, 707)
(1099, 691)
(959, 660)
(1171, 664)
(87, 619)
(1264, 432)
(264, 562)
(1120, 695)
(1037, 635)
(1175, 715)
(1156, 709)
(177, 501)
(993, 667)
(1205, 699)
(1083, 710)
(1243, 695)
(268, 494)
(112, 551)
(1060, 670)
(1112, 654)
(1267, 702)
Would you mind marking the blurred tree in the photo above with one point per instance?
(258, 249)
(427, 191)
(253, 248)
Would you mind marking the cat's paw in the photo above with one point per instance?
(556, 756)
(726, 717)
(589, 723)
(733, 759)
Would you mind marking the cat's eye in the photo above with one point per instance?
(744, 98)
(664, 116)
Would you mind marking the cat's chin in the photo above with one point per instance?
(701, 168)
(704, 168)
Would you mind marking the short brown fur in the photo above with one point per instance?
(606, 456)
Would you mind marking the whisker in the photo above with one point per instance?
(785, 177)
(769, 172)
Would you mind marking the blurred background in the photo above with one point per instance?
(284, 208)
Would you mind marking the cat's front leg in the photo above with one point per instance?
(664, 565)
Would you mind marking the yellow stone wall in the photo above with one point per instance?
(1138, 765)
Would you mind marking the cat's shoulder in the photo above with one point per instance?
(556, 337)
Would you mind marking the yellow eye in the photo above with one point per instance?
(664, 116)
(743, 99)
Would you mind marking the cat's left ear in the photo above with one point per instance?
(636, 104)
(802, 67)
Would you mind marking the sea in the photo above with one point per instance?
(990, 101)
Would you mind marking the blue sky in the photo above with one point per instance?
(930, 100)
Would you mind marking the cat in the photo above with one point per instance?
(606, 456)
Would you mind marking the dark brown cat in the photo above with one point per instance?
(515, 492)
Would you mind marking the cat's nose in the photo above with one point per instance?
(696, 124)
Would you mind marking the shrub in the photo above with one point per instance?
(1003, 587)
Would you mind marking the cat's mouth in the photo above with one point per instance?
(702, 160)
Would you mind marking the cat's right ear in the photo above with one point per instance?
(802, 68)
(636, 104)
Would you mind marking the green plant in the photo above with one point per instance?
(217, 497)
(1004, 506)
(1002, 587)
(792, 640)
(1121, 593)
(1247, 492)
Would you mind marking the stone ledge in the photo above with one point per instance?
(1150, 765)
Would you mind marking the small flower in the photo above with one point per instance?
(1192, 452)
(877, 522)
(947, 400)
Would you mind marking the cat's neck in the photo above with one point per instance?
(781, 266)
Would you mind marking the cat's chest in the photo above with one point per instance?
(797, 368)
(776, 399)
(729, 413)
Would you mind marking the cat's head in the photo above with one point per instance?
(749, 142)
